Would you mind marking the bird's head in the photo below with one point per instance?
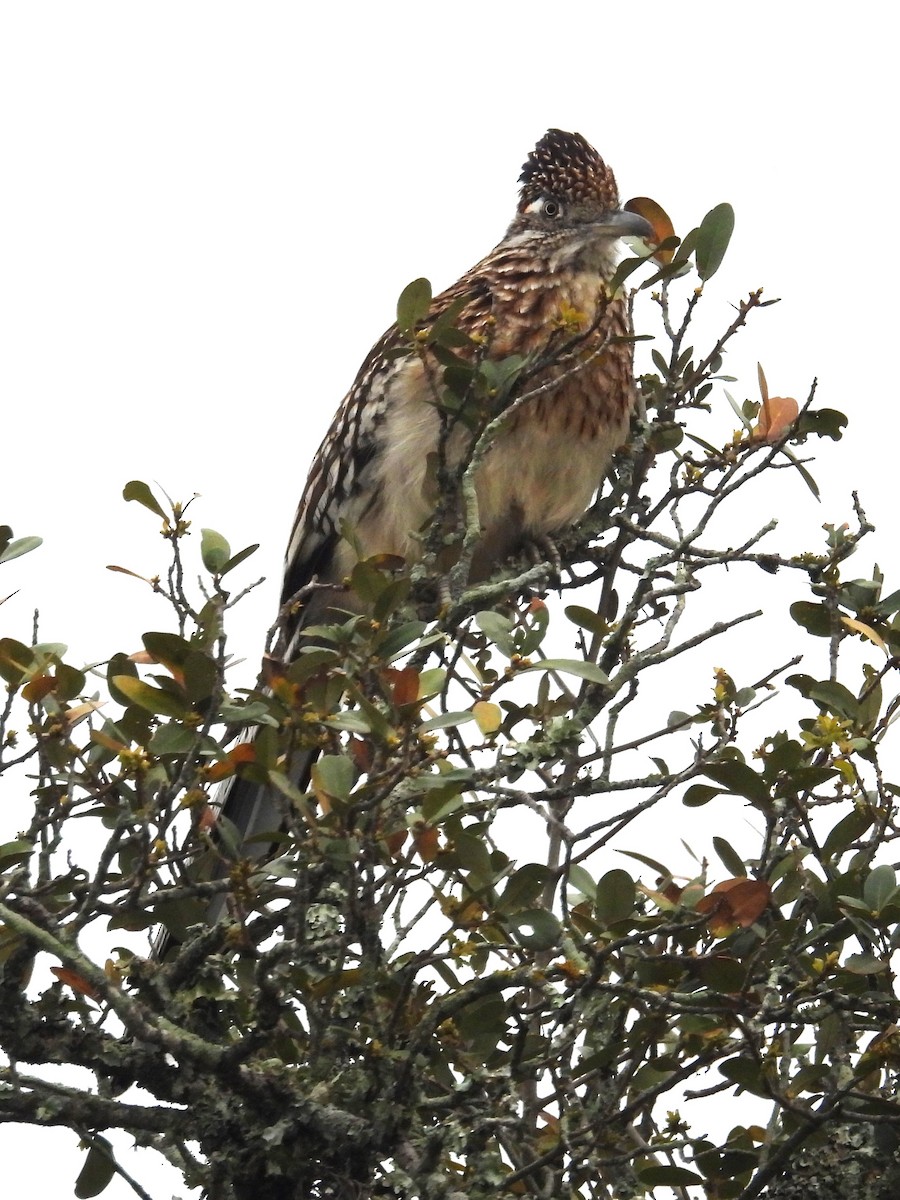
(570, 201)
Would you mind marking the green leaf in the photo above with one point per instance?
(814, 618)
(151, 699)
(739, 779)
(721, 973)
(582, 881)
(847, 830)
(177, 916)
(586, 618)
(524, 887)
(20, 546)
(335, 775)
(413, 304)
(836, 697)
(665, 437)
(442, 802)
(70, 682)
(616, 893)
(864, 964)
(804, 475)
(45, 652)
(136, 490)
(535, 928)
(119, 664)
(713, 237)
(785, 756)
(178, 739)
(699, 794)
(444, 331)
(497, 629)
(625, 268)
(879, 886)
(498, 374)
(98, 1169)
(658, 1176)
(823, 422)
(446, 721)
(571, 666)
(167, 648)
(747, 1073)
(677, 717)
(350, 722)
(473, 855)
(238, 558)
(15, 660)
(15, 852)
(649, 862)
(201, 675)
(729, 857)
(214, 551)
(396, 640)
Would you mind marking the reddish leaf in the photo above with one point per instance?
(404, 685)
(36, 689)
(659, 219)
(207, 819)
(734, 903)
(425, 838)
(76, 982)
(394, 841)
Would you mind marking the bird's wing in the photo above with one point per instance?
(340, 471)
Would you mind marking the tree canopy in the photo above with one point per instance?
(452, 971)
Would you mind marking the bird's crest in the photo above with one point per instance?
(566, 165)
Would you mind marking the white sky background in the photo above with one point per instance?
(207, 211)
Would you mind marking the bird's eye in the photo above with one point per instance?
(545, 206)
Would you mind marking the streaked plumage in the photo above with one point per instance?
(542, 283)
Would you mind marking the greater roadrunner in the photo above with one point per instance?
(543, 286)
(545, 279)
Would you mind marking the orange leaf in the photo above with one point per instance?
(405, 685)
(659, 219)
(734, 903)
(207, 819)
(36, 689)
(361, 753)
(73, 715)
(243, 752)
(748, 900)
(425, 838)
(776, 416)
(76, 982)
(103, 739)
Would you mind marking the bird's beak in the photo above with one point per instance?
(624, 224)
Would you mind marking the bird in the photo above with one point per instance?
(541, 294)
(547, 278)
